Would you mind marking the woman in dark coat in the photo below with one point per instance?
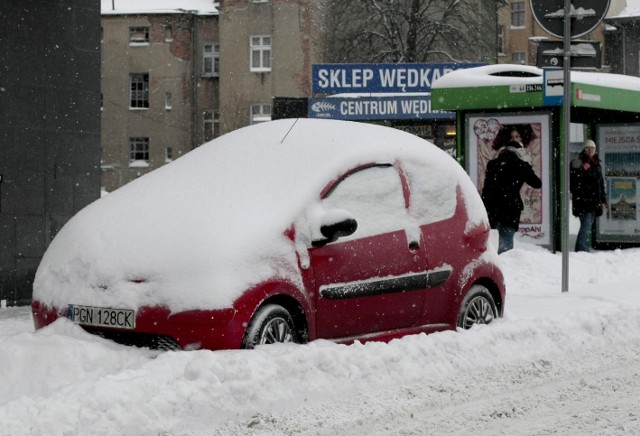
(504, 178)
(587, 191)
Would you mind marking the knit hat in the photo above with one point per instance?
(589, 144)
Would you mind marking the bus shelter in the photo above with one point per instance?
(491, 100)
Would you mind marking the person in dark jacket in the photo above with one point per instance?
(587, 192)
(504, 178)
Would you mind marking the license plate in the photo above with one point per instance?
(102, 316)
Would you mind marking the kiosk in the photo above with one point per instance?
(527, 99)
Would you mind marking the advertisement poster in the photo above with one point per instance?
(487, 134)
(619, 150)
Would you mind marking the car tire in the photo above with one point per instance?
(271, 324)
(478, 307)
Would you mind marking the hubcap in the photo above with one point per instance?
(479, 311)
(276, 330)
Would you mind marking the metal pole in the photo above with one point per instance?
(566, 111)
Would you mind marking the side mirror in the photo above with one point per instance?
(332, 229)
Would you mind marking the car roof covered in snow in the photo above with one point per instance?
(203, 228)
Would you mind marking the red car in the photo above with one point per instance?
(290, 230)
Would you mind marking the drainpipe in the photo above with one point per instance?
(624, 48)
(194, 73)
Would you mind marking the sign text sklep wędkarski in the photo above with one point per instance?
(379, 78)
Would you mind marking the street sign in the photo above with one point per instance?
(585, 15)
(397, 107)
(584, 54)
(375, 78)
(553, 86)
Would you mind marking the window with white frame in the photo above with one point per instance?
(139, 151)
(207, 125)
(260, 1)
(260, 112)
(138, 35)
(216, 124)
(168, 100)
(211, 60)
(168, 33)
(517, 14)
(168, 154)
(260, 53)
(139, 91)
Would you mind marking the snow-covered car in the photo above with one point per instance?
(290, 230)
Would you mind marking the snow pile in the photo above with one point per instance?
(554, 356)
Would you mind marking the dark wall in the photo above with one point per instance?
(49, 128)
(622, 45)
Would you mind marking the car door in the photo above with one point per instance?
(372, 280)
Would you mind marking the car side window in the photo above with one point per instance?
(374, 197)
(433, 193)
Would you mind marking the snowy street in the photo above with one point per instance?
(556, 364)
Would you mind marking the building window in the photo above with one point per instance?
(138, 152)
(168, 154)
(519, 57)
(168, 33)
(138, 35)
(216, 124)
(260, 1)
(260, 113)
(211, 60)
(517, 14)
(207, 125)
(500, 40)
(139, 95)
(261, 53)
(168, 101)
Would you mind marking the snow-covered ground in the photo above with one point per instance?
(558, 363)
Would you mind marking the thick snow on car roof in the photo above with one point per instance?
(210, 224)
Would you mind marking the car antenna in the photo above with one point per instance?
(290, 129)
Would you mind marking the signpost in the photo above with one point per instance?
(584, 54)
(379, 78)
(377, 91)
(566, 20)
(394, 107)
(585, 15)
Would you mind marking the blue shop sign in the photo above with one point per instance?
(368, 78)
(375, 108)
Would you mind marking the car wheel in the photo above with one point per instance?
(271, 324)
(478, 307)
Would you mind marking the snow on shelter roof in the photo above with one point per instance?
(490, 75)
(507, 75)
(502, 86)
(134, 7)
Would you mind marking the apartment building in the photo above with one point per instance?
(519, 34)
(267, 50)
(176, 74)
(160, 73)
